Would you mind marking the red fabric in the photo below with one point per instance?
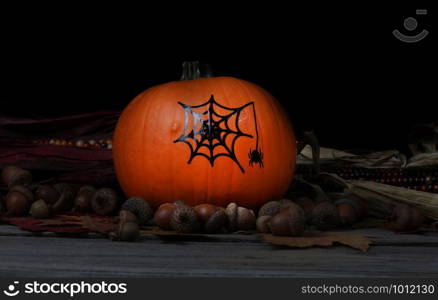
(69, 164)
(35, 225)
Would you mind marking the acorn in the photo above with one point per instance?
(65, 201)
(39, 209)
(262, 224)
(128, 231)
(139, 207)
(82, 202)
(306, 204)
(127, 216)
(406, 218)
(205, 211)
(14, 175)
(17, 204)
(216, 222)
(48, 193)
(239, 218)
(184, 220)
(245, 218)
(347, 213)
(357, 205)
(325, 216)
(213, 217)
(290, 221)
(23, 190)
(162, 215)
(104, 201)
(273, 207)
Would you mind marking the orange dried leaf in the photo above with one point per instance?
(321, 239)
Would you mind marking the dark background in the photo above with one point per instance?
(336, 68)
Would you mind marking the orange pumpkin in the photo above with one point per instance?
(205, 140)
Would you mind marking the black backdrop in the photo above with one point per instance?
(337, 69)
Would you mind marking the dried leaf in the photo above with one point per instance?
(321, 239)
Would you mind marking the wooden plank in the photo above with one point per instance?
(64, 257)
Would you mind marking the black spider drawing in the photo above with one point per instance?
(255, 157)
(206, 130)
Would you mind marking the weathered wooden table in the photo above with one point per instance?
(391, 255)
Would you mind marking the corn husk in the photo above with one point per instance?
(381, 198)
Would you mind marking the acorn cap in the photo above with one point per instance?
(83, 198)
(139, 207)
(39, 209)
(274, 207)
(184, 220)
(289, 221)
(65, 201)
(104, 201)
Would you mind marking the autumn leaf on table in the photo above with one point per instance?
(321, 239)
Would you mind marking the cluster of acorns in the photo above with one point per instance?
(96, 144)
(43, 201)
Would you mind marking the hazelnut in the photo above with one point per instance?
(290, 221)
(39, 209)
(262, 224)
(140, 208)
(14, 175)
(184, 220)
(162, 215)
(325, 216)
(104, 201)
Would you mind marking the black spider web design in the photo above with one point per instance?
(210, 129)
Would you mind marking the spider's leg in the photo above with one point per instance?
(261, 164)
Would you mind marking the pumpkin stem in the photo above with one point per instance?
(192, 70)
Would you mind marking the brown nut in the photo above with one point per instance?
(104, 201)
(347, 213)
(406, 218)
(273, 207)
(290, 222)
(325, 216)
(262, 224)
(65, 201)
(128, 232)
(162, 215)
(48, 193)
(14, 175)
(83, 198)
(245, 218)
(205, 211)
(231, 212)
(216, 221)
(139, 207)
(17, 204)
(184, 220)
(23, 190)
(39, 209)
(127, 216)
(306, 204)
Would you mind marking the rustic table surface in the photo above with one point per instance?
(47, 255)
